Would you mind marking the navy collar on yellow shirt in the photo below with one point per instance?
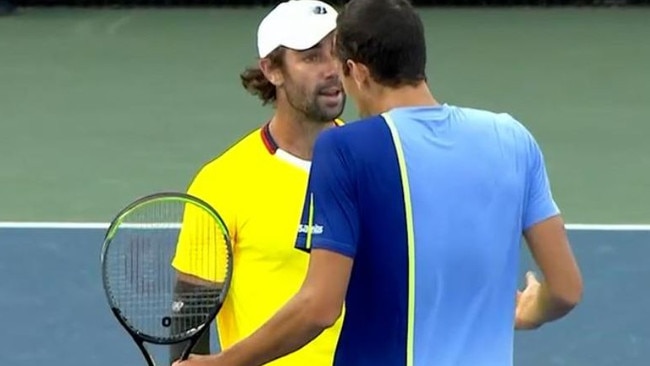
(270, 143)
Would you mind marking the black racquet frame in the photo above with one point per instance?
(138, 337)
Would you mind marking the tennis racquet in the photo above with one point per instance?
(166, 265)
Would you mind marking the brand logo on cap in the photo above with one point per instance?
(320, 10)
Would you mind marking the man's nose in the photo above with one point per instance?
(329, 69)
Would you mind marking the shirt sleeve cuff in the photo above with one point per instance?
(550, 211)
(327, 244)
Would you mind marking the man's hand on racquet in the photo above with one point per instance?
(196, 360)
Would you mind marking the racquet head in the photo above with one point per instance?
(166, 267)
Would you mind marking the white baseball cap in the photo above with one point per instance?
(295, 24)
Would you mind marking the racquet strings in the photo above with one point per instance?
(141, 279)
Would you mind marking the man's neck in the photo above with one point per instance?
(295, 134)
(406, 96)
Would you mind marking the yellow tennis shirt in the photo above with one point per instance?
(259, 191)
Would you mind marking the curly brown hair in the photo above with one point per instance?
(254, 81)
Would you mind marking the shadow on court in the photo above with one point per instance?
(54, 312)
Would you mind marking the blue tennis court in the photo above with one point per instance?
(54, 310)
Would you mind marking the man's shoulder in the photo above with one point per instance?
(510, 129)
(357, 141)
(500, 118)
(247, 148)
(352, 129)
(364, 122)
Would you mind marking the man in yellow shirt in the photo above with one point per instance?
(258, 184)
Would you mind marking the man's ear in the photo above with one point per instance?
(272, 74)
(359, 72)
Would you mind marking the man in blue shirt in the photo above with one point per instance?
(413, 218)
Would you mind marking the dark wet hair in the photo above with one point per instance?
(385, 35)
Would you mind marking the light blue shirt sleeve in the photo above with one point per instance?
(539, 203)
(330, 215)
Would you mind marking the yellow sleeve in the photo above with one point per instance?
(201, 249)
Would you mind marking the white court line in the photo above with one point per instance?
(52, 225)
(608, 227)
(102, 225)
(80, 225)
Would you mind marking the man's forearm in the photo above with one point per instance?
(551, 307)
(289, 330)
